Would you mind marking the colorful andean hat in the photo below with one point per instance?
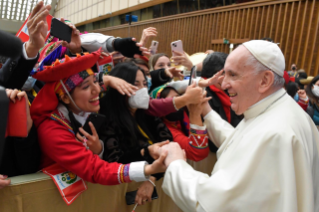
(72, 71)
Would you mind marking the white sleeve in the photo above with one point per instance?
(93, 41)
(218, 129)
(136, 171)
(181, 85)
(24, 52)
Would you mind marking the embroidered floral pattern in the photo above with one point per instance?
(123, 173)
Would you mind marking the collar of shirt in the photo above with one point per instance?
(81, 119)
(263, 104)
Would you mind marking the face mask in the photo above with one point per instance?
(28, 85)
(293, 68)
(149, 83)
(315, 90)
(140, 100)
(176, 116)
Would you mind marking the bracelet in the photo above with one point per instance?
(152, 182)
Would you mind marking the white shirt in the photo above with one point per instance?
(269, 162)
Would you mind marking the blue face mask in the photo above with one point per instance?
(28, 85)
(149, 83)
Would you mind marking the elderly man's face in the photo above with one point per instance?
(241, 81)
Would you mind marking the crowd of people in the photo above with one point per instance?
(153, 120)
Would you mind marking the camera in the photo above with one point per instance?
(293, 68)
(174, 44)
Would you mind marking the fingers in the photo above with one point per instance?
(40, 17)
(4, 183)
(87, 135)
(36, 9)
(13, 95)
(133, 39)
(65, 44)
(163, 143)
(21, 94)
(184, 154)
(94, 133)
(178, 53)
(79, 137)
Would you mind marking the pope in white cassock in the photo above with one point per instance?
(269, 162)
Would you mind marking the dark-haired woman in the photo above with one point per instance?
(313, 94)
(132, 134)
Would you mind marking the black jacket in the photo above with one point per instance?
(21, 155)
(159, 78)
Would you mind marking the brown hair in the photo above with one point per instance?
(313, 99)
(154, 59)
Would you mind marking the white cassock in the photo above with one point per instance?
(268, 163)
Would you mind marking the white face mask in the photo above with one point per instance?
(315, 90)
(140, 100)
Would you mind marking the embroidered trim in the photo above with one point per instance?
(198, 145)
(57, 118)
(198, 132)
(123, 173)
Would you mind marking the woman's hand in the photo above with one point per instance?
(75, 45)
(181, 58)
(173, 72)
(213, 80)
(158, 166)
(3, 181)
(15, 95)
(120, 85)
(144, 192)
(155, 149)
(302, 94)
(195, 110)
(92, 141)
(147, 33)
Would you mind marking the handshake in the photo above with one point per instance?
(164, 154)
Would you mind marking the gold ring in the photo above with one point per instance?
(144, 200)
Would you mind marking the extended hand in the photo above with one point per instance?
(213, 80)
(181, 58)
(173, 72)
(155, 149)
(3, 181)
(75, 45)
(120, 85)
(38, 29)
(302, 94)
(174, 153)
(147, 33)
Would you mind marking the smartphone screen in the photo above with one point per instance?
(60, 30)
(153, 48)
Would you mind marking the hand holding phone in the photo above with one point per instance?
(177, 46)
(130, 196)
(61, 30)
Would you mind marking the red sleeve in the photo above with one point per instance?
(160, 107)
(195, 146)
(303, 104)
(60, 145)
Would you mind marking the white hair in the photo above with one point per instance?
(258, 67)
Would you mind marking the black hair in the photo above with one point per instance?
(116, 107)
(292, 89)
(313, 99)
(268, 39)
(213, 63)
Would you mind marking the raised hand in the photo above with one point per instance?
(120, 85)
(219, 76)
(75, 45)
(181, 58)
(147, 33)
(173, 72)
(38, 29)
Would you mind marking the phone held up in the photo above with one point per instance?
(177, 46)
(60, 30)
(154, 47)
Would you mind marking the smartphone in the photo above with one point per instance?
(4, 104)
(177, 46)
(130, 196)
(154, 46)
(60, 30)
(192, 75)
(97, 120)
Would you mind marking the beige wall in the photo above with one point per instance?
(79, 11)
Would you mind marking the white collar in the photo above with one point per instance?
(262, 105)
(65, 113)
